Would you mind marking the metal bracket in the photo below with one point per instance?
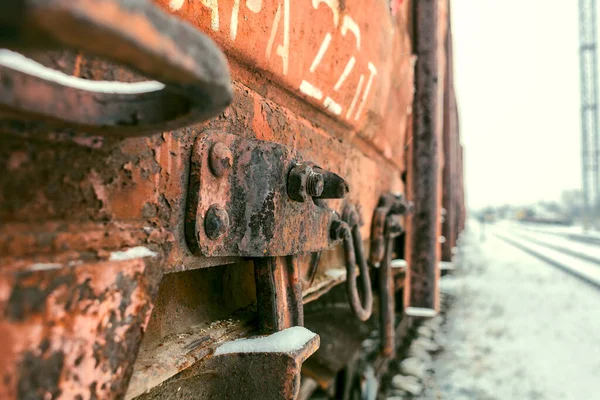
(389, 205)
(239, 200)
(385, 227)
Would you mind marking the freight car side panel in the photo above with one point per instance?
(349, 59)
(330, 79)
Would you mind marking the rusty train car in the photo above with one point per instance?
(221, 198)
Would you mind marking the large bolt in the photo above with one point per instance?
(314, 184)
(334, 186)
(220, 159)
(304, 183)
(216, 222)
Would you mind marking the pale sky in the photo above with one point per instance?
(517, 84)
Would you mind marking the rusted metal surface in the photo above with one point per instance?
(193, 73)
(313, 265)
(388, 223)
(389, 205)
(72, 200)
(249, 210)
(425, 166)
(242, 375)
(452, 198)
(194, 313)
(387, 292)
(67, 199)
(341, 336)
(70, 331)
(278, 294)
(348, 232)
(330, 54)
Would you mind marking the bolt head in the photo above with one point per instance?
(216, 222)
(297, 181)
(220, 159)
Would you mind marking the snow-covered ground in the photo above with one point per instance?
(574, 229)
(590, 249)
(516, 328)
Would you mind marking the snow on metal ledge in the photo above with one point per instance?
(285, 341)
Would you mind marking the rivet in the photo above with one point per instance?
(220, 159)
(216, 222)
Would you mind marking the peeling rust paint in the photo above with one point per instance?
(253, 196)
(39, 377)
(78, 328)
(72, 319)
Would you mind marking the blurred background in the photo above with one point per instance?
(521, 304)
(519, 88)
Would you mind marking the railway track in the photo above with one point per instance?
(572, 258)
(578, 237)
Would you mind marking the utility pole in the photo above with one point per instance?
(588, 61)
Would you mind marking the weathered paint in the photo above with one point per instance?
(70, 332)
(278, 293)
(426, 158)
(452, 194)
(253, 196)
(70, 201)
(352, 65)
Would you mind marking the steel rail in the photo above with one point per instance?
(565, 268)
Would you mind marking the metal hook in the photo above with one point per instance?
(349, 231)
(194, 81)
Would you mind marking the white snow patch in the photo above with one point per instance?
(414, 367)
(44, 266)
(336, 273)
(518, 328)
(134, 252)
(399, 263)
(451, 285)
(20, 63)
(407, 383)
(285, 341)
(420, 312)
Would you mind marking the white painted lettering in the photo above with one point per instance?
(355, 98)
(308, 89)
(373, 71)
(321, 52)
(283, 50)
(332, 106)
(214, 13)
(334, 5)
(345, 73)
(254, 5)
